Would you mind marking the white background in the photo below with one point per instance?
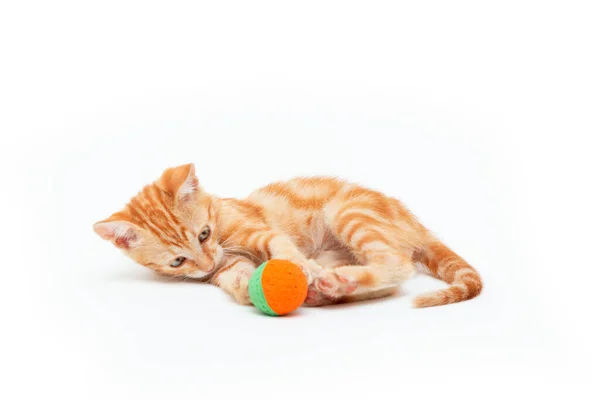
(481, 116)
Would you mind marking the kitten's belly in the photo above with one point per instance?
(317, 238)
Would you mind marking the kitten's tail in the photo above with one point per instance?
(443, 263)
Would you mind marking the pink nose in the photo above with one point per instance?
(210, 268)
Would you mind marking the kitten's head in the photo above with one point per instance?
(169, 226)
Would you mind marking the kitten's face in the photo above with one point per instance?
(170, 226)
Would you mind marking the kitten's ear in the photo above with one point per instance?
(180, 181)
(123, 234)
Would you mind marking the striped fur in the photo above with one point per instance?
(444, 264)
(352, 242)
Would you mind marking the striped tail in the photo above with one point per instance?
(443, 263)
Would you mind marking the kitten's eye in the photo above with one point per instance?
(177, 262)
(204, 234)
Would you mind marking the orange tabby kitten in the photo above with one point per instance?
(353, 243)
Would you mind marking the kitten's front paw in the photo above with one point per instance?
(316, 298)
(335, 285)
(240, 288)
(311, 270)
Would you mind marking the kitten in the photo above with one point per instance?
(353, 243)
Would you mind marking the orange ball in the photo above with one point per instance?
(278, 287)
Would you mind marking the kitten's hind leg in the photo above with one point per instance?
(358, 280)
(375, 243)
(328, 259)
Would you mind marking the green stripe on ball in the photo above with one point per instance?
(257, 295)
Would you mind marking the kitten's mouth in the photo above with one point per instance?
(202, 274)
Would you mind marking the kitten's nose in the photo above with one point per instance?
(206, 266)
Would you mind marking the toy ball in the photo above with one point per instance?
(278, 287)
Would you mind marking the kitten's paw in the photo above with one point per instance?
(334, 284)
(240, 287)
(316, 298)
(311, 270)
